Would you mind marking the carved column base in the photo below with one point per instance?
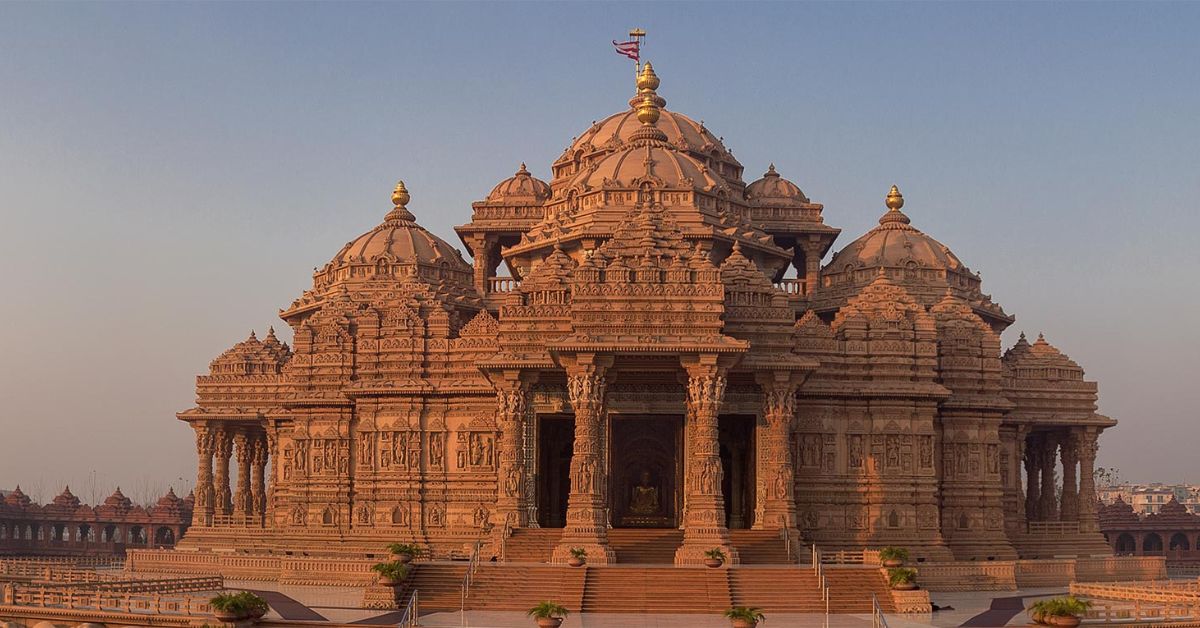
(697, 541)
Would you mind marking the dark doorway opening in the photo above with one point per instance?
(645, 462)
(736, 435)
(556, 444)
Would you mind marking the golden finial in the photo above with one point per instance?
(895, 200)
(647, 112)
(400, 195)
(647, 80)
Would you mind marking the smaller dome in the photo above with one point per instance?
(170, 500)
(773, 190)
(400, 239)
(521, 188)
(118, 500)
(17, 498)
(66, 499)
(253, 357)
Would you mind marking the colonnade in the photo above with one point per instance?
(246, 502)
(1076, 448)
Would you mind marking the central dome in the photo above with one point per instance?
(617, 130)
(654, 163)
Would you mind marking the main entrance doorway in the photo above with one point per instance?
(738, 462)
(556, 444)
(646, 467)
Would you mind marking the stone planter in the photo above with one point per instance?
(1066, 621)
(892, 563)
(403, 559)
(743, 623)
(549, 622)
(905, 586)
(228, 617)
(575, 562)
(713, 563)
(387, 582)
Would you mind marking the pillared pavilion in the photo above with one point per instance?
(646, 341)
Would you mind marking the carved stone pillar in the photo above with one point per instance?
(482, 258)
(777, 490)
(1069, 511)
(258, 487)
(1087, 480)
(704, 514)
(1048, 501)
(511, 402)
(812, 268)
(202, 511)
(272, 473)
(587, 512)
(241, 497)
(222, 448)
(1033, 471)
(1019, 444)
(530, 467)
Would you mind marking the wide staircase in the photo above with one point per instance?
(645, 546)
(656, 589)
(644, 588)
(797, 590)
(531, 545)
(761, 547)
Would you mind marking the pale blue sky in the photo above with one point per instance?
(170, 173)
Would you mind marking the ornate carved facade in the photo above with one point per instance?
(647, 340)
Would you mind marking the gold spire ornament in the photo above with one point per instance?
(400, 196)
(895, 200)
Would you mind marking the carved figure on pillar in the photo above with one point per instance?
(587, 512)
(511, 405)
(1087, 446)
(779, 412)
(704, 511)
(222, 448)
(203, 510)
(258, 486)
(241, 497)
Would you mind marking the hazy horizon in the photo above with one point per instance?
(170, 173)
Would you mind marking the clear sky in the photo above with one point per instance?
(170, 173)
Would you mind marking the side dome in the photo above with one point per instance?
(773, 190)
(925, 267)
(521, 188)
(614, 132)
(398, 247)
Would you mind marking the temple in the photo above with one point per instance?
(646, 341)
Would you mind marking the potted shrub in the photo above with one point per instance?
(893, 556)
(548, 614)
(578, 557)
(902, 578)
(230, 607)
(391, 574)
(714, 557)
(404, 552)
(1059, 611)
(744, 616)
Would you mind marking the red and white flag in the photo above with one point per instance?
(629, 49)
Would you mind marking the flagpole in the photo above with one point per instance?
(637, 35)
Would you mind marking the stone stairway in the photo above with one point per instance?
(645, 546)
(761, 547)
(656, 589)
(531, 545)
(796, 590)
(645, 588)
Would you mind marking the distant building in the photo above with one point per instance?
(1149, 499)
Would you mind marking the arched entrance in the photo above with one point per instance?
(645, 471)
(1125, 544)
(1179, 541)
(1152, 544)
(164, 536)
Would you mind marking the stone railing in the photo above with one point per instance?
(336, 571)
(1110, 568)
(1010, 575)
(39, 596)
(1053, 528)
(793, 287)
(1108, 613)
(501, 285)
(1159, 591)
(158, 585)
(845, 557)
(969, 576)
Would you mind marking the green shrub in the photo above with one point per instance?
(746, 613)
(1068, 606)
(548, 610)
(394, 571)
(715, 553)
(893, 553)
(578, 552)
(412, 549)
(901, 575)
(242, 604)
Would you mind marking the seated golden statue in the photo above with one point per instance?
(644, 500)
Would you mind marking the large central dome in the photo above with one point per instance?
(616, 131)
